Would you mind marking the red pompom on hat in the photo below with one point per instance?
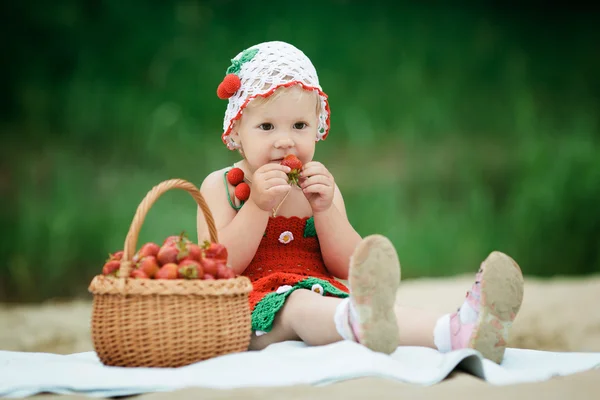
(235, 176)
(231, 83)
(242, 191)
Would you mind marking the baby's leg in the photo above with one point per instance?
(306, 316)
(484, 320)
(374, 277)
(416, 325)
(367, 316)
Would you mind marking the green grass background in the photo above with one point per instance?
(456, 130)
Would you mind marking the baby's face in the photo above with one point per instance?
(286, 125)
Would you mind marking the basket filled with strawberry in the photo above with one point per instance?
(172, 304)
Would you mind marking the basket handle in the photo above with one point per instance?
(144, 207)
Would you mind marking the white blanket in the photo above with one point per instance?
(289, 363)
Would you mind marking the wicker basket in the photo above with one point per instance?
(167, 323)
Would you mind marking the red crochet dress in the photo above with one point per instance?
(288, 255)
(288, 258)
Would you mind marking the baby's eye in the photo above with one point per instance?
(266, 126)
(300, 125)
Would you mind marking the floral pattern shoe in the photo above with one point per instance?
(484, 320)
(368, 315)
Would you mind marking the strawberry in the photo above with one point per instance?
(232, 274)
(111, 267)
(167, 271)
(295, 165)
(235, 176)
(139, 274)
(224, 272)
(168, 253)
(176, 239)
(173, 239)
(192, 252)
(209, 277)
(215, 250)
(149, 266)
(210, 266)
(148, 249)
(242, 191)
(292, 161)
(190, 269)
(116, 256)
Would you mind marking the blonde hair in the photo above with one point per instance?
(260, 101)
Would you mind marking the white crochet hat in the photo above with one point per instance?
(259, 71)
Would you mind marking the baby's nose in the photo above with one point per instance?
(284, 143)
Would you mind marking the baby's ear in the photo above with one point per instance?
(233, 133)
(234, 130)
(235, 136)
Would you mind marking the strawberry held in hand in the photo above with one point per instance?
(295, 165)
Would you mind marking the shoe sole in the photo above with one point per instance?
(374, 278)
(501, 297)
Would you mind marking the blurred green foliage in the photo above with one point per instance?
(455, 131)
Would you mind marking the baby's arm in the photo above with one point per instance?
(337, 237)
(240, 232)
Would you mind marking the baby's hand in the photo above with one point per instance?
(269, 185)
(318, 186)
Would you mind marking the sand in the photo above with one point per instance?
(560, 314)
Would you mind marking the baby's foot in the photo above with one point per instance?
(374, 278)
(483, 321)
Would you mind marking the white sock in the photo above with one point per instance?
(343, 311)
(441, 334)
(467, 314)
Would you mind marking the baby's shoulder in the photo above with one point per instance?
(218, 192)
(215, 179)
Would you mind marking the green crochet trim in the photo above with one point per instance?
(309, 228)
(228, 194)
(236, 65)
(264, 312)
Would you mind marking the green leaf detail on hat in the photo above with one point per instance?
(236, 65)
